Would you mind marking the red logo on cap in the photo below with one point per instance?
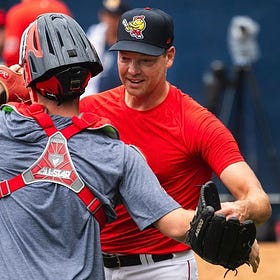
(135, 27)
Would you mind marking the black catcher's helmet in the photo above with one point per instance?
(57, 57)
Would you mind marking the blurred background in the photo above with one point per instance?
(206, 68)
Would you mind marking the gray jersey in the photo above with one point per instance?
(46, 231)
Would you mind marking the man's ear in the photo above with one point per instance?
(170, 55)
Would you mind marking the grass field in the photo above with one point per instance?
(269, 268)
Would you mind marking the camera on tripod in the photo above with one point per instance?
(242, 40)
(226, 94)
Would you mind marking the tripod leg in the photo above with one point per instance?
(239, 85)
(227, 106)
(232, 109)
(264, 126)
(215, 83)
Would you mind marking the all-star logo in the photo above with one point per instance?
(135, 27)
(55, 159)
(52, 172)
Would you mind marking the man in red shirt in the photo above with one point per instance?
(19, 17)
(183, 143)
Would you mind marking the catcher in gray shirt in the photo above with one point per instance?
(63, 173)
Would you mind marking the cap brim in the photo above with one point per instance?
(139, 47)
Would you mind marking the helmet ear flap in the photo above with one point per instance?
(67, 84)
(74, 79)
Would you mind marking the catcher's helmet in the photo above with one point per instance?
(57, 57)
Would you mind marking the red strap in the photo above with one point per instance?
(94, 205)
(80, 123)
(76, 126)
(44, 120)
(7, 187)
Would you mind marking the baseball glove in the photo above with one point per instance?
(14, 88)
(220, 241)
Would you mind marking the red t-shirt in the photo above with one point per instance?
(182, 143)
(19, 17)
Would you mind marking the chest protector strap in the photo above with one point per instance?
(55, 164)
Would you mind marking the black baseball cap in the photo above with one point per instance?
(148, 31)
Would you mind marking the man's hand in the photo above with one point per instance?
(254, 257)
(237, 209)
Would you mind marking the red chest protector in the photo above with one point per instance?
(55, 164)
